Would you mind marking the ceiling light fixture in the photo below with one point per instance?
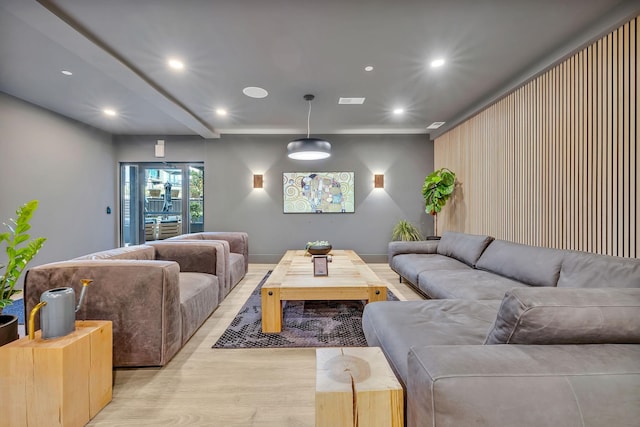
(176, 64)
(109, 112)
(66, 72)
(308, 148)
(221, 112)
(439, 62)
(368, 68)
(255, 92)
(398, 111)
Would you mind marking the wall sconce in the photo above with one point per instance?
(378, 181)
(257, 181)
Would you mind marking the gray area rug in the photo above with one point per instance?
(305, 324)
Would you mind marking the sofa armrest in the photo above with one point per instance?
(194, 256)
(141, 298)
(418, 247)
(238, 242)
(198, 256)
(524, 385)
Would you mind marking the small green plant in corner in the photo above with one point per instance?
(20, 250)
(436, 190)
(406, 231)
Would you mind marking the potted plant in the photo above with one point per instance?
(406, 231)
(20, 251)
(436, 190)
(318, 247)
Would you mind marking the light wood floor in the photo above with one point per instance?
(202, 386)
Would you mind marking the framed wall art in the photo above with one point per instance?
(318, 192)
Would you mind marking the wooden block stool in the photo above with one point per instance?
(356, 387)
(62, 381)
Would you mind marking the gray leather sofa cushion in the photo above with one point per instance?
(463, 247)
(410, 266)
(568, 316)
(524, 386)
(465, 284)
(585, 270)
(396, 326)
(532, 265)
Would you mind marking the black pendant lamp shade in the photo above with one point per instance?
(308, 148)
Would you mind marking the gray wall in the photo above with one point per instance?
(232, 204)
(69, 167)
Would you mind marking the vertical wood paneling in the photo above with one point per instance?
(555, 162)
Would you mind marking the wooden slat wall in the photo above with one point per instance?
(555, 162)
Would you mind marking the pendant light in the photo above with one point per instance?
(308, 148)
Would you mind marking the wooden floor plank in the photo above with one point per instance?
(202, 386)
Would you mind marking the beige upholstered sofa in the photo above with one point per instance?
(157, 295)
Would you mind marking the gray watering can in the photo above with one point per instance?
(58, 317)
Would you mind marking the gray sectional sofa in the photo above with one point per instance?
(157, 295)
(512, 335)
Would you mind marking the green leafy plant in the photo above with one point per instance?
(20, 250)
(317, 243)
(437, 188)
(406, 231)
(195, 210)
(196, 182)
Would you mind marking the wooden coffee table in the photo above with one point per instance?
(349, 279)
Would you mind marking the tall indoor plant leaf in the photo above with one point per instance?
(19, 249)
(437, 188)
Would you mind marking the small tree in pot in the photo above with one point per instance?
(20, 251)
(436, 190)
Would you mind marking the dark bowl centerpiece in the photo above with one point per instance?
(319, 247)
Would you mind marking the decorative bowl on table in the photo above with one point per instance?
(318, 248)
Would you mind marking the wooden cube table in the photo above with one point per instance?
(355, 386)
(62, 381)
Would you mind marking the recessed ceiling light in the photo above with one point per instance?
(368, 68)
(435, 125)
(110, 112)
(255, 92)
(66, 73)
(176, 64)
(221, 111)
(398, 111)
(439, 62)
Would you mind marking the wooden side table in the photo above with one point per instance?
(63, 381)
(355, 386)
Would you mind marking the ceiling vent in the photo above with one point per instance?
(351, 101)
(435, 125)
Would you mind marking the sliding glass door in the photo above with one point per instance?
(160, 200)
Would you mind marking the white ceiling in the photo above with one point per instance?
(117, 51)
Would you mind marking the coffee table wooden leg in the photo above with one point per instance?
(377, 293)
(271, 310)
